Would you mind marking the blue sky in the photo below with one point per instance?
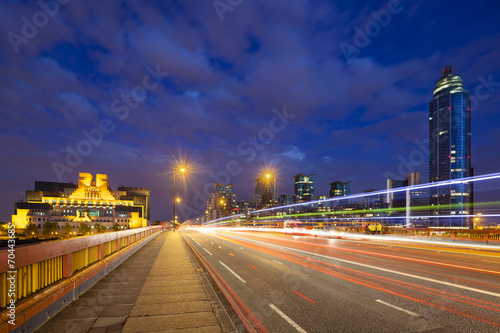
(154, 82)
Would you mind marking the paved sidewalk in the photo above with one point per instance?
(158, 289)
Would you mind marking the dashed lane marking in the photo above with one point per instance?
(229, 269)
(290, 321)
(398, 308)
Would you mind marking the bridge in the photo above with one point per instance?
(307, 267)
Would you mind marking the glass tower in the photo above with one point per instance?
(450, 150)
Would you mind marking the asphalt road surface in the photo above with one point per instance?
(288, 283)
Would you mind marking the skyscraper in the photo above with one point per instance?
(450, 148)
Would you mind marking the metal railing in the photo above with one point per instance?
(37, 266)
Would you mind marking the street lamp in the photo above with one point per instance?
(181, 170)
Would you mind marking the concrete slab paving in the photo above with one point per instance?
(171, 308)
(158, 289)
(166, 322)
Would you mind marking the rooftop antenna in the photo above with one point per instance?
(448, 70)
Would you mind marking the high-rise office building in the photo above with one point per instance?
(265, 189)
(304, 187)
(450, 149)
(340, 189)
(221, 203)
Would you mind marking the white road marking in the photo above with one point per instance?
(229, 269)
(388, 270)
(290, 321)
(404, 274)
(398, 308)
(195, 240)
(208, 251)
(241, 248)
(278, 262)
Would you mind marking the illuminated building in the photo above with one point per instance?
(90, 201)
(340, 189)
(450, 148)
(264, 192)
(222, 202)
(304, 187)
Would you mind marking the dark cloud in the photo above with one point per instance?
(353, 121)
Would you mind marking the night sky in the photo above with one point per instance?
(233, 87)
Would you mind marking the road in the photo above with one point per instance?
(288, 283)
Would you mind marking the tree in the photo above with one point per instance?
(67, 229)
(4, 226)
(157, 222)
(31, 230)
(99, 228)
(116, 227)
(49, 229)
(84, 228)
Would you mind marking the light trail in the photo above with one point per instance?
(317, 265)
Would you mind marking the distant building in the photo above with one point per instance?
(450, 148)
(340, 189)
(91, 201)
(140, 197)
(374, 200)
(398, 199)
(285, 199)
(264, 192)
(222, 202)
(244, 207)
(324, 206)
(304, 187)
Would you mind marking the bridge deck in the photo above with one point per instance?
(158, 289)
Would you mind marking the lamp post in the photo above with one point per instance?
(181, 170)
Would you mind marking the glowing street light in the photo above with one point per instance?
(181, 170)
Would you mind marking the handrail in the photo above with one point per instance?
(32, 253)
(39, 265)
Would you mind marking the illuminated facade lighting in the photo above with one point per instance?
(450, 145)
(90, 201)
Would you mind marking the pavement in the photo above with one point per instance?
(160, 288)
